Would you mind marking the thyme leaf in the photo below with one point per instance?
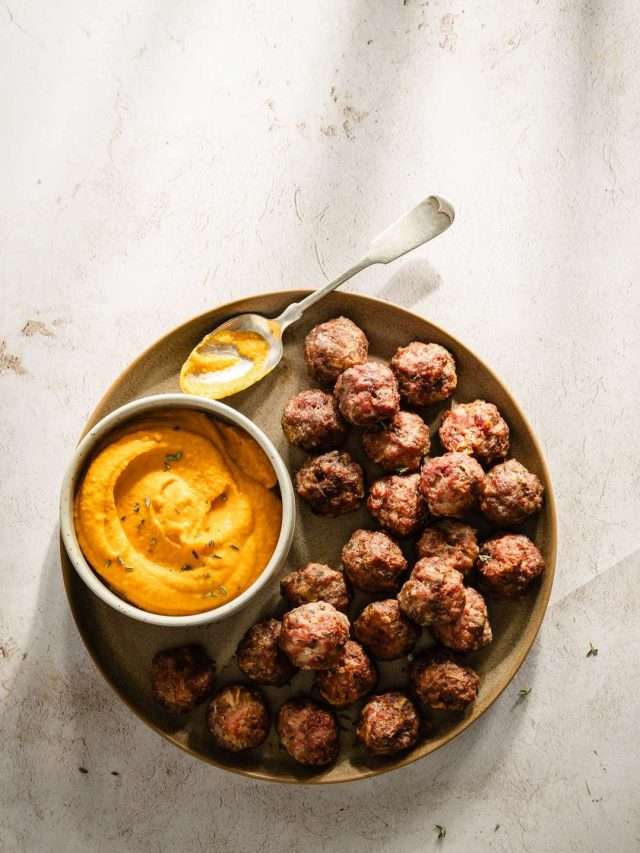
(172, 457)
(442, 831)
(593, 651)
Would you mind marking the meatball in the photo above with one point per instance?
(316, 582)
(349, 679)
(426, 373)
(372, 561)
(308, 732)
(397, 504)
(399, 445)
(332, 347)
(508, 563)
(388, 724)
(450, 484)
(260, 657)
(311, 420)
(238, 718)
(182, 678)
(433, 594)
(385, 630)
(367, 393)
(313, 635)
(477, 428)
(509, 493)
(451, 541)
(471, 631)
(441, 683)
(332, 484)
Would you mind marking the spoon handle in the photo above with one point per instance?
(427, 220)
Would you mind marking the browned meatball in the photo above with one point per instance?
(308, 732)
(426, 373)
(385, 630)
(316, 582)
(332, 347)
(452, 541)
(397, 504)
(372, 561)
(260, 657)
(311, 420)
(433, 594)
(313, 635)
(509, 493)
(471, 631)
(450, 484)
(389, 723)
(349, 679)
(508, 563)
(477, 428)
(238, 718)
(441, 683)
(332, 484)
(399, 445)
(367, 393)
(182, 678)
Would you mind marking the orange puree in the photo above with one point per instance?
(177, 513)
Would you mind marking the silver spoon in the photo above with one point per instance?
(426, 221)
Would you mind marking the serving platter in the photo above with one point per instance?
(123, 648)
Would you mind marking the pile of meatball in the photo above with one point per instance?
(421, 503)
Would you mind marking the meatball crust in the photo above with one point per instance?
(509, 493)
(311, 420)
(399, 445)
(238, 718)
(441, 683)
(385, 630)
(426, 373)
(433, 594)
(476, 428)
(332, 484)
(367, 393)
(260, 657)
(450, 484)
(471, 631)
(389, 723)
(397, 503)
(308, 732)
(349, 679)
(451, 541)
(334, 346)
(316, 582)
(182, 678)
(313, 635)
(372, 561)
(508, 564)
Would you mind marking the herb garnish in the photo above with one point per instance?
(187, 567)
(107, 563)
(210, 543)
(172, 457)
(136, 507)
(128, 568)
(593, 651)
(222, 590)
(217, 556)
(484, 558)
(195, 553)
(123, 518)
(119, 560)
(524, 691)
(442, 831)
(235, 547)
(402, 470)
(496, 827)
(83, 769)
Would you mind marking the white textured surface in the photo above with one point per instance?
(159, 157)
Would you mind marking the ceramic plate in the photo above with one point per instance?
(123, 648)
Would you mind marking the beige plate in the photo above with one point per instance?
(123, 648)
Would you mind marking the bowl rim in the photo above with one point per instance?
(117, 418)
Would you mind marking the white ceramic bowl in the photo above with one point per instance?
(116, 419)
